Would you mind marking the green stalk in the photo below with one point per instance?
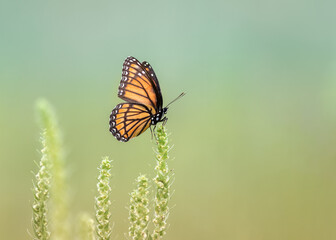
(41, 195)
(139, 210)
(103, 203)
(86, 228)
(54, 152)
(162, 182)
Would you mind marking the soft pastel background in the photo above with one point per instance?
(254, 138)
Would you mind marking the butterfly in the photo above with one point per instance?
(140, 88)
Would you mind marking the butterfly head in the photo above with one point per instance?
(159, 116)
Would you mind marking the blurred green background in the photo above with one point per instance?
(254, 138)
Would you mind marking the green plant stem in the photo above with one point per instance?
(139, 210)
(41, 195)
(162, 183)
(87, 228)
(54, 151)
(103, 202)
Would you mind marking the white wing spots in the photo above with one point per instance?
(152, 74)
(143, 72)
(112, 124)
(140, 74)
(119, 106)
(113, 130)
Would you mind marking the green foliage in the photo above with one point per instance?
(86, 228)
(41, 195)
(54, 152)
(139, 209)
(103, 202)
(162, 182)
(51, 181)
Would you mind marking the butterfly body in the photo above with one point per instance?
(159, 116)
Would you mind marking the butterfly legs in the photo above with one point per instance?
(153, 132)
(164, 121)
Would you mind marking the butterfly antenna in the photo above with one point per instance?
(181, 95)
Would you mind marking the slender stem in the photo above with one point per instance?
(54, 151)
(139, 210)
(103, 203)
(162, 182)
(41, 195)
(87, 228)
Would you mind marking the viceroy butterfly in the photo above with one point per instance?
(140, 88)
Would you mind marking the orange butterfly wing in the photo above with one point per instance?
(138, 85)
(129, 120)
(152, 75)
